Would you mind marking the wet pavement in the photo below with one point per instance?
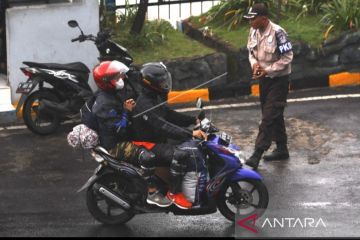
(39, 177)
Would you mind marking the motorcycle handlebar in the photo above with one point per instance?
(75, 39)
(82, 38)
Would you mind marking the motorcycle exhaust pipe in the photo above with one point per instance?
(115, 198)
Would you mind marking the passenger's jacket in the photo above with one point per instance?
(112, 118)
(160, 123)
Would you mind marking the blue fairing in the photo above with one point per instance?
(244, 173)
(232, 146)
(230, 160)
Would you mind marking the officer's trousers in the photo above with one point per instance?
(273, 95)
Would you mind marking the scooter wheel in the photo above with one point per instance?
(42, 123)
(103, 209)
(243, 198)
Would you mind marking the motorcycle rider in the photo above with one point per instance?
(156, 124)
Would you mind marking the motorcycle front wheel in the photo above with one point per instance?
(244, 198)
(103, 209)
(38, 121)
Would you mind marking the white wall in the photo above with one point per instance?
(40, 34)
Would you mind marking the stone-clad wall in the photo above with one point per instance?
(310, 68)
(188, 73)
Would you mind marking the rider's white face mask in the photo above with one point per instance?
(119, 84)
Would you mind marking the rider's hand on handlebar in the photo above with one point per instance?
(129, 104)
(199, 134)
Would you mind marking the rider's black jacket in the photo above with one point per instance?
(112, 118)
(160, 123)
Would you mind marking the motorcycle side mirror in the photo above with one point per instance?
(73, 23)
(199, 103)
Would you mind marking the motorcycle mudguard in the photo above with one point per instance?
(243, 173)
(25, 95)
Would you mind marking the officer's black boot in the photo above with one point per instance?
(280, 153)
(254, 160)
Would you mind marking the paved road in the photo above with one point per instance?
(39, 177)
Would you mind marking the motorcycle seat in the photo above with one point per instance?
(74, 66)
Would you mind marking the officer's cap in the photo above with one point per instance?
(258, 9)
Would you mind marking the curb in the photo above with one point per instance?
(343, 79)
(242, 89)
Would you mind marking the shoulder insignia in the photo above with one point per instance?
(283, 42)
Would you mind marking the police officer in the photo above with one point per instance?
(270, 56)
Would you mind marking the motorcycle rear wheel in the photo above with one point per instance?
(39, 122)
(247, 197)
(103, 209)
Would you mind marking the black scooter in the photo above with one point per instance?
(44, 107)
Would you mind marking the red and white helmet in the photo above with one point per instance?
(110, 75)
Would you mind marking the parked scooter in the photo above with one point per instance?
(117, 191)
(66, 88)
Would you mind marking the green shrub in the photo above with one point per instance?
(304, 8)
(230, 13)
(153, 33)
(342, 14)
(127, 18)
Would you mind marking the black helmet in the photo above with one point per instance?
(156, 77)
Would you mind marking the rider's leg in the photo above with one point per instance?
(147, 163)
(170, 156)
(177, 170)
(145, 159)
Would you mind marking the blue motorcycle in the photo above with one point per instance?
(117, 191)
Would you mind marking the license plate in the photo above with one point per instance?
(24, 87)
(225, 137)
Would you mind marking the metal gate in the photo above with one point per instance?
(176, 9)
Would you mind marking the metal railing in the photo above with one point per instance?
(170, 3)
(33, 2)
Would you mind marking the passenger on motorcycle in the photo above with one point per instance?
(110, 107)
(157, 124)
